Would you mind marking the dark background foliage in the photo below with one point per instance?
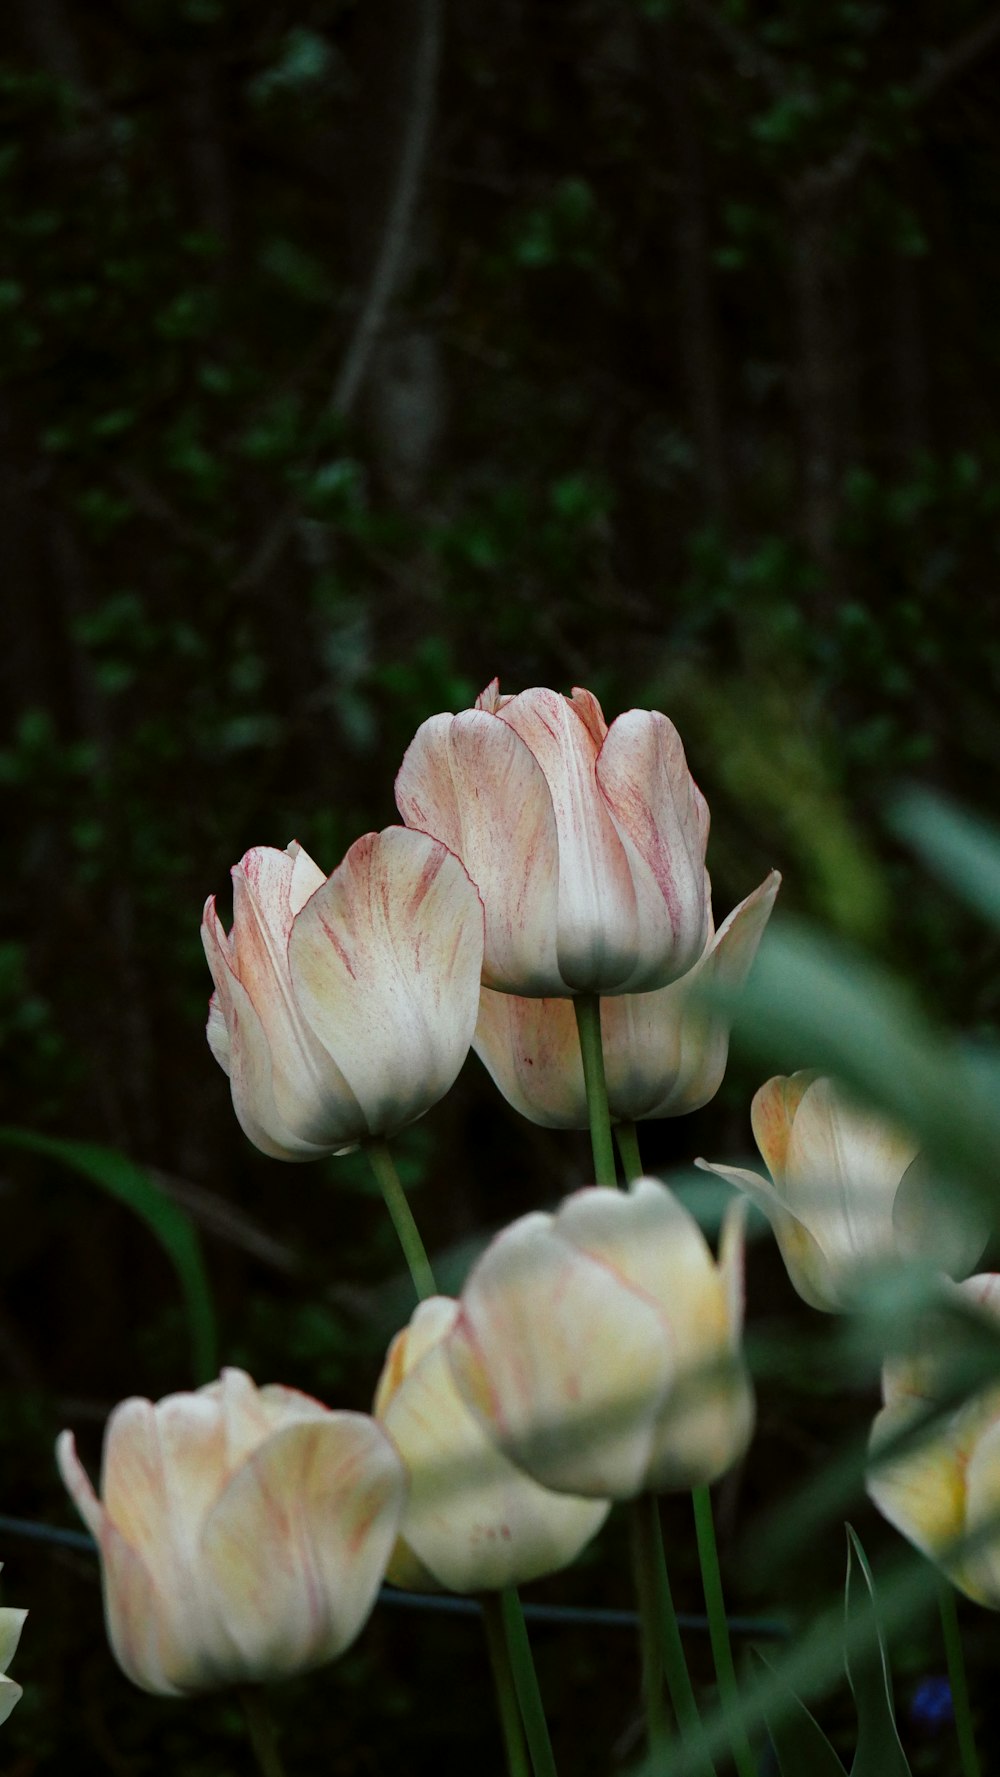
(352, 353)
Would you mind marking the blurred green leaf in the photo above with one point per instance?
(801, 1747)
(879, 1753)
(960, 848)
(132, 1186)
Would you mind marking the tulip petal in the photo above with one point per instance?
(386, 959)
(11, 1623)
(157, 1632)
(472, 783)
(578, 1415)
(252, 1074)
(842, 1168)
(805, 1260)
(598, 928)
(10, 1693)
(772, 1114)
(531, 1049)
(295, 1549)
(980, 1569)
(77, 1483)
(920, 1490)
(661, 819)
(473, 1519)
(930, 1215)
(217, 1033)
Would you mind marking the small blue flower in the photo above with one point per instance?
(931, 1705)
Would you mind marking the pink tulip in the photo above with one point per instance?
(344, 1006)
(665, 1052)
(243, 1532)
(587, 843)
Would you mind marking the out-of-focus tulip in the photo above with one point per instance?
(243, 1532)
(665, 1052)
(944, 1484)
(344, 1007)
(847, 1191)
(587, 843)
(473, 1522)
(11, 1624)
(600, 1347)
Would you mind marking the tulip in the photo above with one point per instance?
(599, 1347)
(665, 1052)
(943, 1485)
(847, 1191)
(344, 1006)
(243, 1532)
(473, 1522)
(11, 1624)
(587, 843)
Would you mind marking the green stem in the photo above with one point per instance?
(260, 1730)
(958, 1681)
(587, 1007)
(718, 1628)
(506, 1690)
(627, 1138)
(663, 1652)
(384, 1168)
(529, 1696)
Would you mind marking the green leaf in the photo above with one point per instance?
(961, 849)
(131, 1185)
(801, 1747)
(879, 1752)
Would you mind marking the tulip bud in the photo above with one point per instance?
(473, 1522)
(847, 1191)
(665, 1052)
(600, 1347)
(11, 1624)
(587, 843)
(243, 1532)
(943, 1485)
(344, 1006)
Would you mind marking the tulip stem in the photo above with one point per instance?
(508, 1706)
(408, 1234)
(587, 1007)
(529, 1697)
(260, 1729)
(662, 1649)
(627, 1137)
(718, 1629)
(958, 1681)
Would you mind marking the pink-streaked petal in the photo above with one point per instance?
(386, 958)
(217, 1033)
(661, 821)
(77, 1483)
(195, 1467)
(305, 879)
(590, 713)
(296, 1548)
(489, 698)
(291, 1115)
(472, 783)
(133, 1483)
(578, 1414)
(598, 927)
(473, 1520)
(157, 1633)
(531, 1049)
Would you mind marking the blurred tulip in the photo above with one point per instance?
(243, 1532)
(587, 843)
(847, 1191)
(600, 1347)
(665, 1052)
(11, 1624)
(944, 1484)
(473, 1522)
(344, 1006)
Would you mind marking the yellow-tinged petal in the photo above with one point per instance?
(565, 1367)
(921, 1489)
(471, 782)
(297, 1544)
(386, 960)
(979, 1570)
(531, 1049)
(473, 1520)
(772, 1113)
